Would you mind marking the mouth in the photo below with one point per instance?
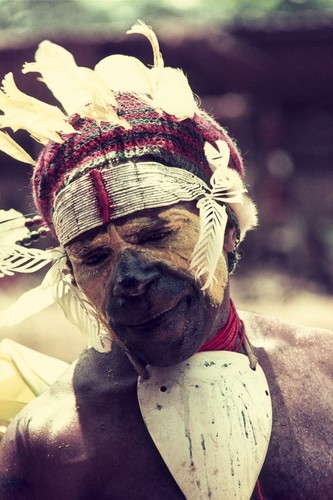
(155, 320)
(151, 321)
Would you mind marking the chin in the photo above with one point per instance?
(164, 359)
(171, 340)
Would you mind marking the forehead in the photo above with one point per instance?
(134, 223)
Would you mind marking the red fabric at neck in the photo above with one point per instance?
(230, 338)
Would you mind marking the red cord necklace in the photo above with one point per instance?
(226, 338)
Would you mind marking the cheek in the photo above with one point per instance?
(177, 250)
(178, 253)
(180, 258)
(216, 290)
(181, 250)
(94, 285)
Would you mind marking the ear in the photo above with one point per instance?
(230, 239)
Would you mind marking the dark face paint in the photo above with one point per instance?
(157, 313)
(137, 275)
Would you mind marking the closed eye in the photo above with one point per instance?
(153, 236)
(96, 258)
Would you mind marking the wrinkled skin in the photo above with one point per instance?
(85, 438)
(137, 274)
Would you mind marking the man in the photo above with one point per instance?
(146, 194)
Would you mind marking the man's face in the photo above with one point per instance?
(136, 273)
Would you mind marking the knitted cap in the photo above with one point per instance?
(152, 135)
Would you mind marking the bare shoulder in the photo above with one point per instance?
(49, 422)
(298, 367)
(51, 413)
(262, 323)
(297, 359)
(305, 344)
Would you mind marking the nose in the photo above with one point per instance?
(134, 274)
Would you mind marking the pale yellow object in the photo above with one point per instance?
(210, 417)
(24, 375)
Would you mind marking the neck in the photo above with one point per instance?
(230, 337)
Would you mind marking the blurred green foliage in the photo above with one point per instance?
(35, 16)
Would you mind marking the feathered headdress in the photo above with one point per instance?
(94, 166)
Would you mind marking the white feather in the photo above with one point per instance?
(227, 189)
(11, 148)
(228, 186)
(208, 249)
(169, 87)
(21, 111)
(125, 73)
(18, 259)
(218, 158)
(77, 309)
(141, 28)
(35, 300)
(49, 56)
(79, 89)
(172, 93)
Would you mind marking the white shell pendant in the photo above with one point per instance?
(210, 417)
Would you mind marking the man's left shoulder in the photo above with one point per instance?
(273, 333)
(296, 360)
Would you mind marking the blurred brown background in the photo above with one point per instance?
(266, 73)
